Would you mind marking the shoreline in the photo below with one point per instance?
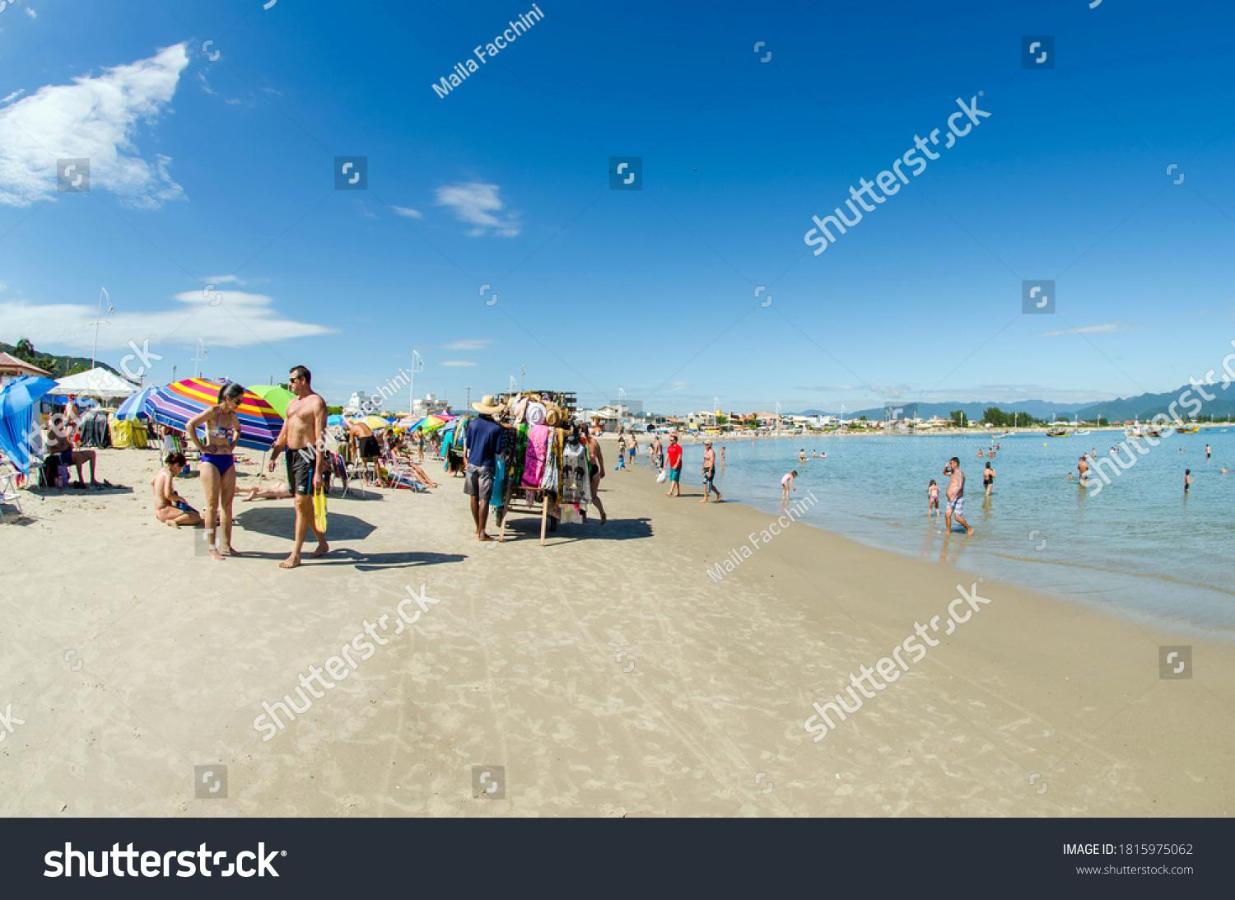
(606, 672)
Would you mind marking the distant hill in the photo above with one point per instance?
(58, 365)
(1146, 406)
(1039, 409)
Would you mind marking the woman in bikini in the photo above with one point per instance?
(218, 462)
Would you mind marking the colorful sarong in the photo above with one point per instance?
(537, 448)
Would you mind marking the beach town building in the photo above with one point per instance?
(429, 405)
(11, 367)
(363, 401)
(606, 415)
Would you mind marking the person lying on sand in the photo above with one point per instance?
(169, 506)
(282, 492)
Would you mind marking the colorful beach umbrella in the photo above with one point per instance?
(335, 419)
(137, 406)
(377, 423)
(276, 395)
(433, 423)
(18, 399)
(175, 404)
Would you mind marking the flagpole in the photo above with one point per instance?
(94, 351)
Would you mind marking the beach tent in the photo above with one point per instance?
(18, 400)
(334, 420)
(176, 403)
(278, 397)
(138, 406)
(97, 382)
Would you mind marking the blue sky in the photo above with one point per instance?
(213, 127)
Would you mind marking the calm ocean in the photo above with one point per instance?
(1139, 546)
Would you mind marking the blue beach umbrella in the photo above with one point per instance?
(18, 399)
(137, 406)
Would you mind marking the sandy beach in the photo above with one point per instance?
(607, 673)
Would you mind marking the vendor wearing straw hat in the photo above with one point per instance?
(482, 436)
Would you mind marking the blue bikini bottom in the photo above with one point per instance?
(221, 461)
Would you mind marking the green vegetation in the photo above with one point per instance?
(59, 366)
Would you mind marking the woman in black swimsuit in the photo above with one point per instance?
(988, 479)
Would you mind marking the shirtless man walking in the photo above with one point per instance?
(956, 497)
(302, 438)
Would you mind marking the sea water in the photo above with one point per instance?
(1140, 546)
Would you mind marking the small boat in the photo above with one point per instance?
(1076, 427)
(1191, 428)
(1058, 429)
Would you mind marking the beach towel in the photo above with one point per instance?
(537, 449)
(497, 498)
(575, 485)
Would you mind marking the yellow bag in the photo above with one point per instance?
(319, 510)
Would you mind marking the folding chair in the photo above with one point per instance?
(9, 492)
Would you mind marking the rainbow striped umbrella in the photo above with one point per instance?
(174, 404)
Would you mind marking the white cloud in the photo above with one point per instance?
(458, 363)
(1105, 328)
(222, 279)
(220, 318)
(478, 204)
(32, 12)
(468, 344)
(407, 212)
(95, 117)
(13, 96)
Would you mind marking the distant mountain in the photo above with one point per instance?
(58, 365)
(1146, 406)
(1039, 409)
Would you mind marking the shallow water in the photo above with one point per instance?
(1139, 545)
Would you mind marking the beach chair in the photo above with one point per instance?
(392, 475)
(9, 492)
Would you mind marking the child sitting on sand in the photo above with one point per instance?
(169, 506)
(932, 498)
